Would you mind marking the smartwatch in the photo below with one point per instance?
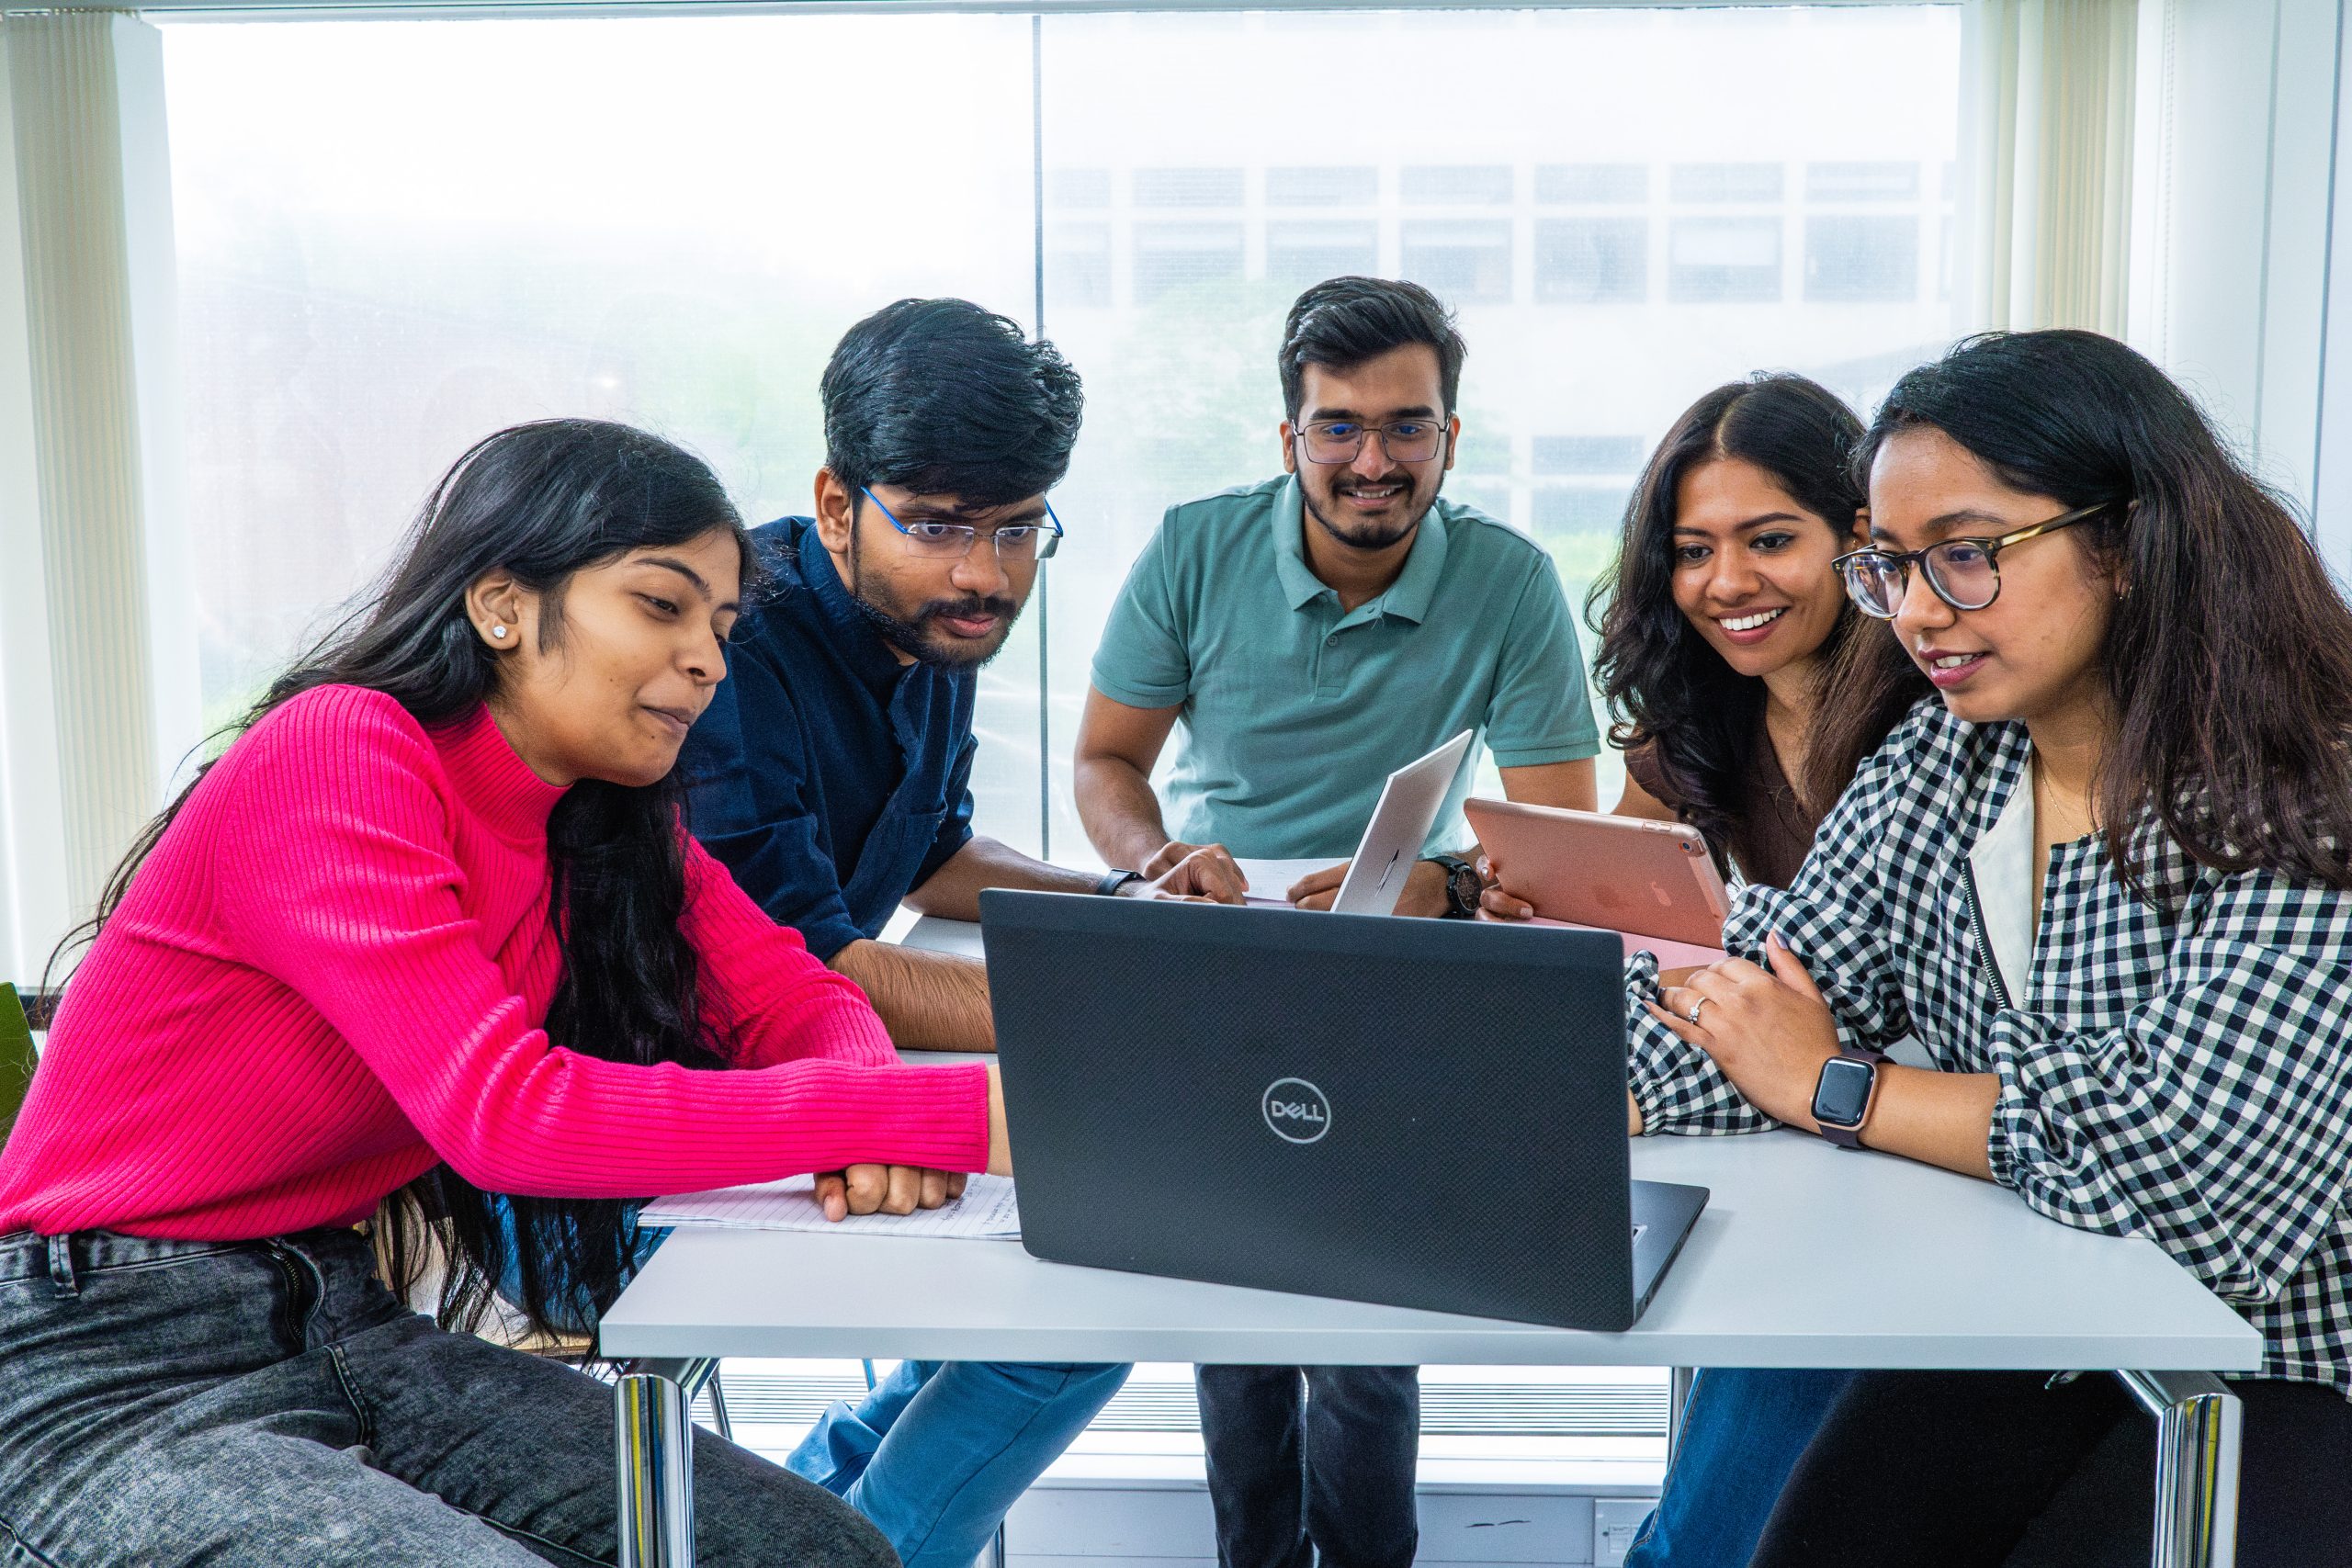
(1462, 886)
(1114, 879)
(1842, 1098)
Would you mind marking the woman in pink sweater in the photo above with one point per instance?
(430, 930)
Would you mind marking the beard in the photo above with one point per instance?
(914, 632)
(1381, 530)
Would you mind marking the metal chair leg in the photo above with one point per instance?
(718, 1406)
(654, 1455)
(2199, 1426)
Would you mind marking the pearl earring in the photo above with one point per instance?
(498, 631)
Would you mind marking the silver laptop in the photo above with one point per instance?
(1399, 827)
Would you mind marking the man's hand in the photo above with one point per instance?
(1768, 1030)
(1189, 871)
(1499, 901)
(1424, 893)
(885, 1188)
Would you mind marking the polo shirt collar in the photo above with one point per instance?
(1408, 598)
(861, 647)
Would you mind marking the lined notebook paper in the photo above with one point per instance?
(985, 1212)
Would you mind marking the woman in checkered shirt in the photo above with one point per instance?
(2105, 879)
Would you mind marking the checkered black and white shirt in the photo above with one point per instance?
(2182, 1074)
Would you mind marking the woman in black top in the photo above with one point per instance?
(1723, 626)
(1724, 635)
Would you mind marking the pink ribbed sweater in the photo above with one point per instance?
(329, 976)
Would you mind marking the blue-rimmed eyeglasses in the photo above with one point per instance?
(953, 541)
(1338, 440)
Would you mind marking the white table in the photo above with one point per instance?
(1806, 1255)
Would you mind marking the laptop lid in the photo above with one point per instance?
(1399, 827)
(1418, 1113)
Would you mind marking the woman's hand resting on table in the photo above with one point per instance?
(1767, 1028)
(886, 1190)
(903, 1189)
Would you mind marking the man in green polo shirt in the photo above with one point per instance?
(1311, 634)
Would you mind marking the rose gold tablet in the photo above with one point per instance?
(1622, 873)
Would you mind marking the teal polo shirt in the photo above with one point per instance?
(1295, 713)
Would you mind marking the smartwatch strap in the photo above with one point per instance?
(1851, 1137)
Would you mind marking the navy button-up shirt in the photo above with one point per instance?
(830, 779)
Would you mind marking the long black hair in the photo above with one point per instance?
(542, 500)
(1670, 691)
(2228, 658)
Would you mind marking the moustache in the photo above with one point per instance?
(968, 609)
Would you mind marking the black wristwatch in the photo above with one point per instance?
(1462, 886)
(1844, 1092)
(1114, 879)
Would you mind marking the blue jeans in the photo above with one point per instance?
(938, 1451)
(269, 1402)
(1743, 1430)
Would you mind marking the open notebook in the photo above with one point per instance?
(985, 1212)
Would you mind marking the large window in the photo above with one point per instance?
(487, 221)
(670, 221)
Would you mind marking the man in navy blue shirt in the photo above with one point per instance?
(833, 769)
(832, 778)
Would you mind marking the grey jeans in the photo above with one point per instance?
(269, 1402)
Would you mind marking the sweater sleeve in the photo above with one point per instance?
(337, 880)
(771, 998)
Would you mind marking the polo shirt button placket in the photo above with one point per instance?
(1331, 669)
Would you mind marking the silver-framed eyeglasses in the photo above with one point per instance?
(1963, 573)
(953, 541)
(1338, 440)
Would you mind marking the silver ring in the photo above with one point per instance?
(1702, 1001)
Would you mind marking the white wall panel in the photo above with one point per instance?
(2236, 177)
(2332, 494)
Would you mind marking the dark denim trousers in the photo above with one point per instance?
(1744, 1428)
(1329, 1476)
(269, 1402)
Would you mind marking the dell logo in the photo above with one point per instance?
(1295, 1111)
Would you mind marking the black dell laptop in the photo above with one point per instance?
(1423, 1113)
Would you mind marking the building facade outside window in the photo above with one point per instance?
(1617, 227)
